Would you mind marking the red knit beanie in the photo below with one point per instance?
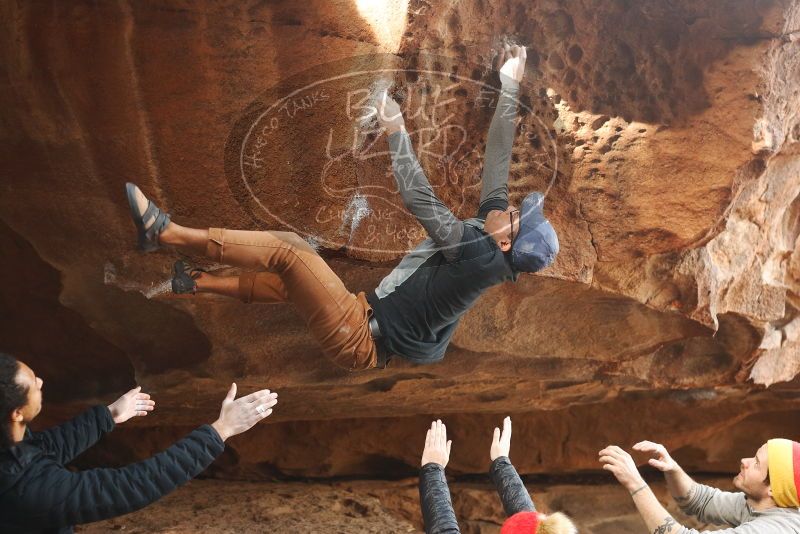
(521, 523)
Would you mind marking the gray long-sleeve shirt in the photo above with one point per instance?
(419, 304)
(443, 227)
(711, 505)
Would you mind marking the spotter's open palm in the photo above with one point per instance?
(132, 404)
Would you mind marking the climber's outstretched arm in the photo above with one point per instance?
(442, 226)
(497, 161)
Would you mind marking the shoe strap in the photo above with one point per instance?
(150, 212)
(161, 222)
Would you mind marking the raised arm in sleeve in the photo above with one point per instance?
(68, 440)
(442, 226)
(711, 505)
(494, 188)
(60, 498)
(434, 497)
(510, 487)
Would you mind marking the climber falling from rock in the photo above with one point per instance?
(414, 311)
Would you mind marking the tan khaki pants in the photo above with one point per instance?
(287, 269)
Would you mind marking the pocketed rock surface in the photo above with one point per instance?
(666, 136)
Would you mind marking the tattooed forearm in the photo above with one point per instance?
(684, 499)
(666, 527)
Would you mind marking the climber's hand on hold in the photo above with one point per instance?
(389, 115)
(512, 59)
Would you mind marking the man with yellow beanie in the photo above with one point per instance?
(766, 503)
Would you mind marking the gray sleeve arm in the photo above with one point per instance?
(442, 226)
(494, 189)
(711, 505)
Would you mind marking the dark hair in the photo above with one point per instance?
(12, 396)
